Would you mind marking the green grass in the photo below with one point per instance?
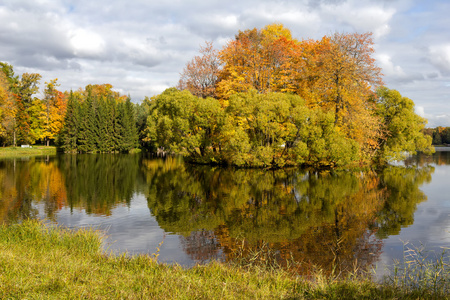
(39, 261)
(7, 152)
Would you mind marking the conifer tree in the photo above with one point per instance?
(69, 134)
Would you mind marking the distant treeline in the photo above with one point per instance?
(440, 135)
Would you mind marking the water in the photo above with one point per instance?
(332, 219)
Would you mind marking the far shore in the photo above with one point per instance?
(7, 152)
(442, 148)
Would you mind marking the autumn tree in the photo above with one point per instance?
(7, 110)
(28, 86)
(55, 104)
(255, 59)
(200, 75)
(345, 73)
(18, 102)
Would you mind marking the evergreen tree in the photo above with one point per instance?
(69, 133)
(128, 126)
(84, 136)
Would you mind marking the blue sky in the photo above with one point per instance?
(140, 47)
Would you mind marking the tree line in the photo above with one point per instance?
(265, 99)
(440, 135)
(94, 119)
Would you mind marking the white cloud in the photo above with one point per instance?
(86, 43)
(420, 111)
(440, 57)
(362, 16)
(384, 61)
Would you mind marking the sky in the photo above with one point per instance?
(141, 46)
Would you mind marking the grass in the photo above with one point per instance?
(422, 270)
(39, 261)
(7, 152)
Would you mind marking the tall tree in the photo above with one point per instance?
(22, 124)
(68, 138)
(55, 108)
(346, 73)
(7, 110)
(255, 59)
(27, 87)
(200, 75)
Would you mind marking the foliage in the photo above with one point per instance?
(440, 135)
(182, 123)
(336, 75)
(98, 120)
(200, 75)
(256, 59)
(55, 103)
(263, 130)
(404, 128)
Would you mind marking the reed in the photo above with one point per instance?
(421, 271)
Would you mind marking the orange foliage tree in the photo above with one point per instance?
(55, 109)
(200, 75)
(256, 59)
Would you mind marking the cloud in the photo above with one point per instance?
(394, 72)
(439, 56)
(141, 46)
(86, 43)
(420, 111)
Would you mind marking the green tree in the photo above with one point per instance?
(127, 120)
(68, 139)
(22, 125)
(404, 128)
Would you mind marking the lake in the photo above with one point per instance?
(334, 220)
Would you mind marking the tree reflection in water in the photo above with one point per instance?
(333, 220)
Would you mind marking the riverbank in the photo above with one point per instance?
(6, 152)
(38, 261)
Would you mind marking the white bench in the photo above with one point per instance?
(25, 146)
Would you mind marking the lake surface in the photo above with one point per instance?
(330, 219)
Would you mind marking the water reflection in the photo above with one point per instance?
(337, 221)
(333, 220)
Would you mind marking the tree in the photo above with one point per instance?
(128, 136)
(55, 108)
(28, 86)
(22, 124)
(7, 110)
(200, 75)
(340, 75)
(18, 102)
(68, 138)
(256, 59)
(403, 128)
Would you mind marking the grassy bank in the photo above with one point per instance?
(41, 262)
(6, 152)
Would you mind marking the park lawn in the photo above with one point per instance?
(6, 152)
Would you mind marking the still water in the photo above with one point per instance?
(331, 219)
